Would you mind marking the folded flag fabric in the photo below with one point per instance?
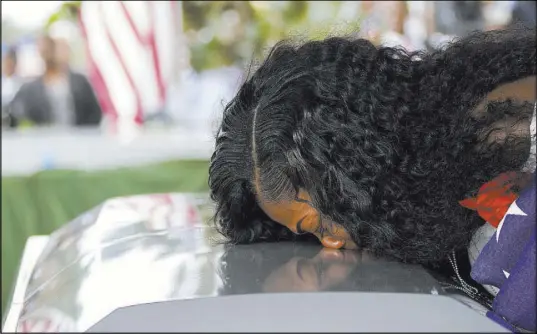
(508, 262)
(494, 198)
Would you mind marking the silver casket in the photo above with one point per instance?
(152, 263)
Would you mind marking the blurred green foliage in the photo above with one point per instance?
(224, 33)
(67, 11)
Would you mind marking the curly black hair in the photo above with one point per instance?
(386, 142)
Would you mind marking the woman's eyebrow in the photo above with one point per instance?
(300, 200)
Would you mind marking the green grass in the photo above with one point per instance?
(40, 203)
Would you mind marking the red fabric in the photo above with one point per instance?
(96, 78)
(493, 199)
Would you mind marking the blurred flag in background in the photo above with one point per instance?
(130, 50)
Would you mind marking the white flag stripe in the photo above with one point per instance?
(165, 31)
(135, 56)
(100, 52)
(153, 46)
(95, 75)
(122, 98)
(131, 44)
(137, 11)
(108, 27)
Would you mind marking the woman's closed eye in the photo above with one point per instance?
(299, 229)
(318, 230)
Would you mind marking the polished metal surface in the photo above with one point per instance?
(150, 248)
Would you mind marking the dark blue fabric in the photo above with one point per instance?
(508, 262)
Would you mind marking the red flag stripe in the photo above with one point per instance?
(142, 39)
(96, 77)
(122, 98)
(136, 54)
(139, 117)
(154, 51)
(130, 65)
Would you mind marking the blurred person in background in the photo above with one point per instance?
(384, 21)
(458, 18)
(63, 53)
(524, 12)
(11, 83)
(60, 96)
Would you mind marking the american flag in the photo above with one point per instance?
(131, 48)
(508, 262)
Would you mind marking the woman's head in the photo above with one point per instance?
(368, 147)
(47, 50)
